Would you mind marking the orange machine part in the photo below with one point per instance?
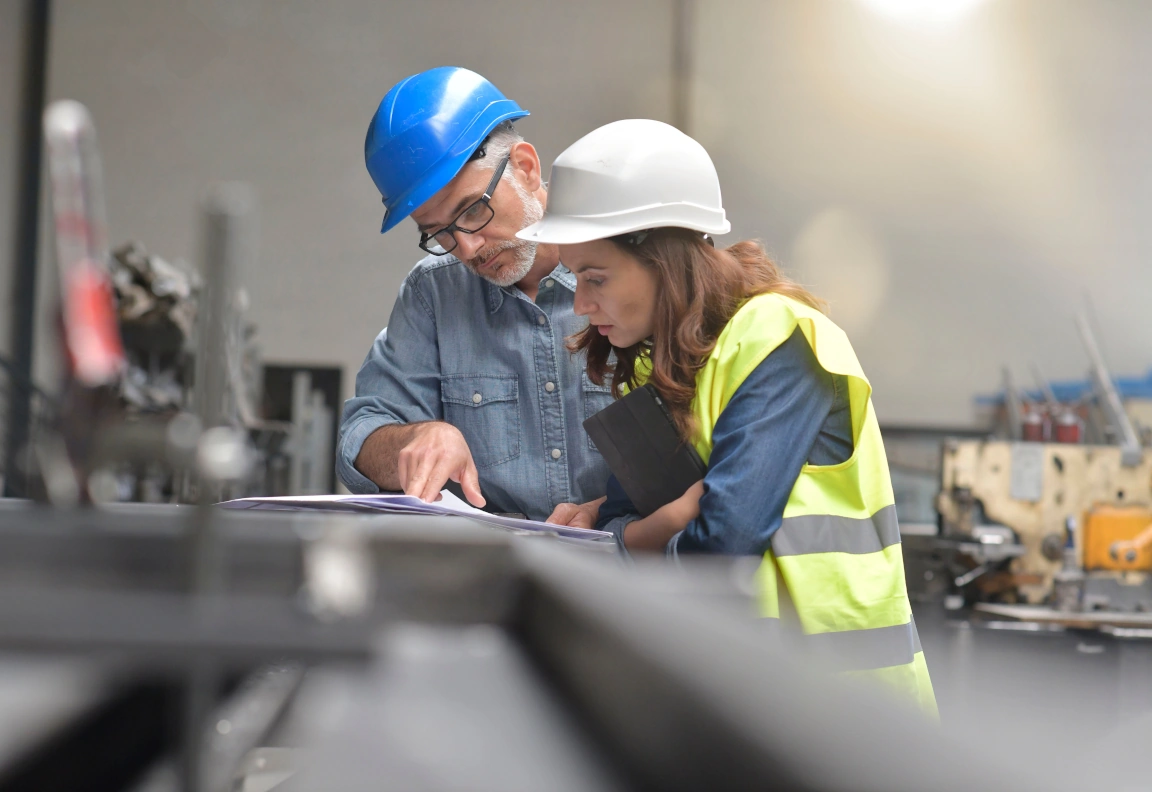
(1106, 525)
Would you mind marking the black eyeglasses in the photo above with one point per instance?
(472, 219)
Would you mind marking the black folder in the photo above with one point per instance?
(640, 443)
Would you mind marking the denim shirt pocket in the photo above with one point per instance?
(595, 398)
(486, 410)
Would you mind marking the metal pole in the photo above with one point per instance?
(683, 22)
(228, 214)
(1131, 453)
(36, 21)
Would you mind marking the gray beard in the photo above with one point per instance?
(524, 253)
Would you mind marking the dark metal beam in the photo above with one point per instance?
(25, 236)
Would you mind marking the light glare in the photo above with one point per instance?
(924, 12)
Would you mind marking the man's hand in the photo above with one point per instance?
(576, 515)
(438, 453)
(419, 459)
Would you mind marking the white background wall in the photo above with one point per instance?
(955, 191)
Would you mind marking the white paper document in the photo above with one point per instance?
(395, 503)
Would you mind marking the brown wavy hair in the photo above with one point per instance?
(699, 289)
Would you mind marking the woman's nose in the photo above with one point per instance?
(581, 305)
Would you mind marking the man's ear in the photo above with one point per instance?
(526, 162)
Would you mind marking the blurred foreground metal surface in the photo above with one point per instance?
(427, 653)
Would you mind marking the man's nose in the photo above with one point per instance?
(467, 245)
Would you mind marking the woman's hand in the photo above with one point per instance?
(576, 515)
(654, 531)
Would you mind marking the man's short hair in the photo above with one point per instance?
(496, 146)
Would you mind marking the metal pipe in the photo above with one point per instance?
(1012, 407)
(227, 214)
(91, 328)
(27, 225)
(1131, 453)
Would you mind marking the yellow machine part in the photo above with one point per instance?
(1104, 526)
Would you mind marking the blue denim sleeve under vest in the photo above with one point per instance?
(788, 411)
(494, 364)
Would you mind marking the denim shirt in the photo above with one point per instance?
(787, 412)
(492, 363)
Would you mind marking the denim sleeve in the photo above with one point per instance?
(759, 445)
(616, 512)
(399, 382)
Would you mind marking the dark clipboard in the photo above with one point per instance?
(640, 443)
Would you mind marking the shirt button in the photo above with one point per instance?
(549, 386)
(549, 283)
(540, 319)
(555, 453)
(477, 398)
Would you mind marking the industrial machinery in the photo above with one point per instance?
(1047, 530)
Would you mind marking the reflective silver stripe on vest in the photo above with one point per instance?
(861, 650)
(826, 533)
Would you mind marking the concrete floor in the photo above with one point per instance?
(1054, 696)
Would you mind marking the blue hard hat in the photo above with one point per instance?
(424, 131)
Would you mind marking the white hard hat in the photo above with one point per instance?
(630, 176)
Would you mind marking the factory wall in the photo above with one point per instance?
(279, 94)
(957, 188)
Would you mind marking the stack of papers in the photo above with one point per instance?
(390, 503)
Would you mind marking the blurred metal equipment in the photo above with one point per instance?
(1012, 406)
(90, 336)
(228, 214)
(1051, 529)
(481, 660)
(26, 228)
(40, 414)
(125, 405)
(1132, 454)
(312, 445)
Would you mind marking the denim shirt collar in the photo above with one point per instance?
(561, 274)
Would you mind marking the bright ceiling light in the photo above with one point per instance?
(924, 12)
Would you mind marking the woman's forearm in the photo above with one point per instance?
(654, 531)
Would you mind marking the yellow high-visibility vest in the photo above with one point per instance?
(836, 559)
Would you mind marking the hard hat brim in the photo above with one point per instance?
(567, 230)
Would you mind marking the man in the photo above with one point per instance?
(471, 381)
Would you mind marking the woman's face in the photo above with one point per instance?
(613, 289)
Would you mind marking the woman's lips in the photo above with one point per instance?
(604, 329)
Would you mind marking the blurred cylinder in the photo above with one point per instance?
(1068, 427)
(1032, 427)
(227, 218)
(91, 330)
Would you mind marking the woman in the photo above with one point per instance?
(764, 386)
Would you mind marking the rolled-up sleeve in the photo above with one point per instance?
(399, 382)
